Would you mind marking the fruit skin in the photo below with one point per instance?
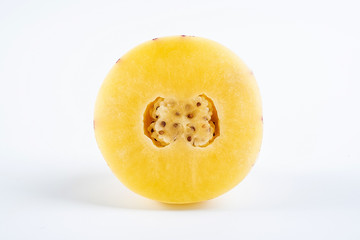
(179, 67)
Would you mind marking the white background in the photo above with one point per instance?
(54, 183)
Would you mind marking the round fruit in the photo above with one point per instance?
(179, 119)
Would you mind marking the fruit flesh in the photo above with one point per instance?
(179, 68)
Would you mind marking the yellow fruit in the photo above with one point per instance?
(179, 119)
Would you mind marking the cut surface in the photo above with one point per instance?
(166, 120)
(143, 93)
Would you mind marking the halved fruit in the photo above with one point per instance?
(179, 119)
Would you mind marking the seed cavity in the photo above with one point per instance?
(193, 120)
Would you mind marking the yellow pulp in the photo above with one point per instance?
(179, 68)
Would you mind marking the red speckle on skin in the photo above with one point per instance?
(154, 39)
(118, 60)
(183, 35)
(94, 124)
(262, 120)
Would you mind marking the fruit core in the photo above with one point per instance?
(168, 119)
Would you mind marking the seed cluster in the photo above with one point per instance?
(187, 119)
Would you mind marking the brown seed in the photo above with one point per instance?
(157, 107)
(189, 138)
(161, 132)
(152, 130)
(193, 128)
(198, 104)
(156, 116)
(175, 125)
(213, 134)
(203, 126)
(163, 124)
(190, 115)
(177, 114)
(155, 139)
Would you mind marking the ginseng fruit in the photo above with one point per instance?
(179, 119)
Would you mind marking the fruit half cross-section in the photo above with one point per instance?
(179, 119)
